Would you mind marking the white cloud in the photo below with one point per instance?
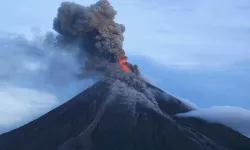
(21, 105)
(234, 117)
(34, 78)
(185, 34)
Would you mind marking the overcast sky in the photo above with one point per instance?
(194, 49)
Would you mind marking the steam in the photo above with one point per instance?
(49, 66)
(38, 61)
(99, 36)
(35, 77)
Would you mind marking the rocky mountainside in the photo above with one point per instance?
(121, 111)
(115, 114)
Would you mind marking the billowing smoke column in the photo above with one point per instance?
(101, 38)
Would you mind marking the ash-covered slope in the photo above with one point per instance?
(117, 114)
(121, 111)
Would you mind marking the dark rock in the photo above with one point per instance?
(112, 115)
(223, 135)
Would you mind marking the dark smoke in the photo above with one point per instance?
(99, 36)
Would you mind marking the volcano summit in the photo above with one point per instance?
(121, 111)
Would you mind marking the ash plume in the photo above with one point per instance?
(99, 36)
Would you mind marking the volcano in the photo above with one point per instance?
(121, 111)
(114, 114)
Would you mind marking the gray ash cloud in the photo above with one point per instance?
(98, 35)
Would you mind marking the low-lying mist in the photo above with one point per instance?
(35, 77)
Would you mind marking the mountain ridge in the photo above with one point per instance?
(93, 121)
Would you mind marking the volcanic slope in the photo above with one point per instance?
(121, 111)
(122, 114)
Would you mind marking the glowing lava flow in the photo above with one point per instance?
(123, 65)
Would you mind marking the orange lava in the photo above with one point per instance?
(123, 65)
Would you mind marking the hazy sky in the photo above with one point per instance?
(195, 49)
(196, 34)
